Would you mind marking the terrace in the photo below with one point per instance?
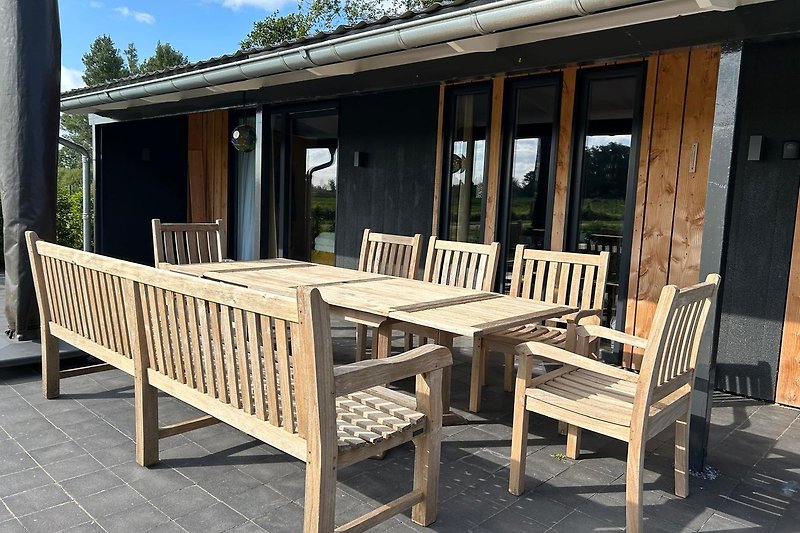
(68, 464)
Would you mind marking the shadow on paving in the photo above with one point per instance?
(68, 463)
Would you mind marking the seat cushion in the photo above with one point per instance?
(371, 416)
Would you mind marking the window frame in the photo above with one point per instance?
(448, 134)
(585, 77)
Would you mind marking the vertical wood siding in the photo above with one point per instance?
(670, 196)
(208, 166)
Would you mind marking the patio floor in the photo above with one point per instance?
(68, 463)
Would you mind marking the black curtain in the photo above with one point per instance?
(30, 80)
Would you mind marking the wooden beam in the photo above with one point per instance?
(437, 173)
(492, 182)
(563, 158)
(788, 387)
(665, 144)
(651, 81)
(188, 425)
(690, 203)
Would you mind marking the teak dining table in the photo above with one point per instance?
(381, 301)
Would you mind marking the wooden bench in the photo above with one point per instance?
(81, 304)
(264, 364)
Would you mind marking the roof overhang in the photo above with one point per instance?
(479, 29)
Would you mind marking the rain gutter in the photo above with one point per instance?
(492, 17)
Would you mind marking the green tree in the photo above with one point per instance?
(102, 63)
(132, 58)
(164, 57)
(313, 16)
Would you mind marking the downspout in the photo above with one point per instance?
(86, 193)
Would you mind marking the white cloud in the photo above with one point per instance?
(139, 16)
(96, 5)
(70, 79)
(261, 4)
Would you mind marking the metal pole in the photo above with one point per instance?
(86, 193)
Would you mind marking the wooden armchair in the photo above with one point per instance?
(393, 255)
(574, 279)
(631, 407)
(188, 243)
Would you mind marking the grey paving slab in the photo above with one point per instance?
(68, 464)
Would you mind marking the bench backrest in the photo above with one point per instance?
(188, 243)
(462, 264)
(567, 278)
(239, 354)
(81, 300)
(393, 255)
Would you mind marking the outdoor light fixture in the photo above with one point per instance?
(243, 138)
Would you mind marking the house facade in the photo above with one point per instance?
(664, 132)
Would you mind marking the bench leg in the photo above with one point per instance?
(476, 381)
(682, 456)
(361, 342)
(319, 506)
(146, 410)
(428, 448)
(519, 434)
(51, 366)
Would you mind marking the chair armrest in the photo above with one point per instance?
(373, 372)
(591, 330)
(546, 351)
(578, 316)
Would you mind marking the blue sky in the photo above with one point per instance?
(199, 28)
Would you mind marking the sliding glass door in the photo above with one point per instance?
(465, 163)
(604, 183)
(528, 169)
(302, 184)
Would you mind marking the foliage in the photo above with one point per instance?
(314, 16)
(164, 57)
(607, 169)
(103, 62)
(132, 58)
(69, 221)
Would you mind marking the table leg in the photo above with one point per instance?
(383, 345)
(449, 418)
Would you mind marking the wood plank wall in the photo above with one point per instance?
(788, 386)
(673, 176)
(208, 166)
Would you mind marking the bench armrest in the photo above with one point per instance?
(546, 351)
(373, 372)
(591, 330)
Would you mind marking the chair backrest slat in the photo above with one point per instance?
(460, 264)
(188, 243)
(574, 279)
(674, 340)
(391, 255)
